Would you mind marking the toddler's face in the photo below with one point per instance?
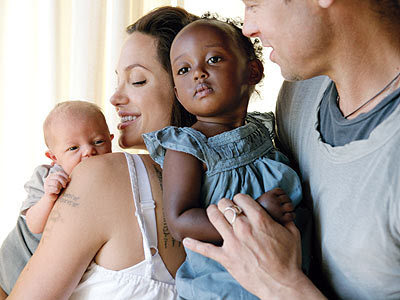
(209, 70)
(76, 138)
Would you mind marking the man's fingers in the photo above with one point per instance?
(252, 209)
(205, 249)
(218, 220)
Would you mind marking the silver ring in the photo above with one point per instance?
(236, 210)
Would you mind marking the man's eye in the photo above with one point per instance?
(139, 82)
(99, 142)
(214, 60)
(73, 148)
(183, 70)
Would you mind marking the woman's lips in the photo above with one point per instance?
(126, 120)
(202, 90)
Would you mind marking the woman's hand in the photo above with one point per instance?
(262, 255)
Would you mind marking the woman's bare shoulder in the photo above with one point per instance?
(101, 178)
(101, 167)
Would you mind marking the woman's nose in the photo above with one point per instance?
(119, 98)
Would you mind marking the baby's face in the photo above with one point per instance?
(209, 70)
(76, 139)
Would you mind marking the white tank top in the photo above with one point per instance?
(146, 280)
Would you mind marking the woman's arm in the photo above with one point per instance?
(186, 217)
(74, 232)
(262, 255)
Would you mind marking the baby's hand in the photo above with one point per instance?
(278, 205)
(55, 182)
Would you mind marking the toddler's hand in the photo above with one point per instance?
(278, 205)
(55, 182)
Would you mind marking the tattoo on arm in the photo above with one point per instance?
(69, 199)
(159, 176)
(168, 236)
(55, 215)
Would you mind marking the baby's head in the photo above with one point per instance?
(75, 130)
(214, 62)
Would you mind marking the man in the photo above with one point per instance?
(343, 132)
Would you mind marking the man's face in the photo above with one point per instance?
(297, 31)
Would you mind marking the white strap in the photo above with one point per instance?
(146, 202)
(136, 198)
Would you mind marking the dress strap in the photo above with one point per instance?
(147, 202)
(135, 163)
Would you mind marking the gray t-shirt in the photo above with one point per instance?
(35, 186)
(337, 131)
(354, 191)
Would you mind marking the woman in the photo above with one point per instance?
(104, 238)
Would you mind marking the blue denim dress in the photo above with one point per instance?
(242, 160)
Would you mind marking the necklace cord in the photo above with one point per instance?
(369, 100)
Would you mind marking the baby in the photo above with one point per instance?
(73, 131)
(215, 70)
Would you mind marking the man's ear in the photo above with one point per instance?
(50, 155)
(256, 71)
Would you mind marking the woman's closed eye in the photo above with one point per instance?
(138, 83)
(183, 70)
(214, 60)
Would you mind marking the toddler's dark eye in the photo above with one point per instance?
(214, 60)
(73, 148)
(183, 70)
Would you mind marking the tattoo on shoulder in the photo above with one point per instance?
(69, 199)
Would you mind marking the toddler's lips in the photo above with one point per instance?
(202, 90)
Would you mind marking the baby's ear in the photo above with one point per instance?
(256, 71)
(50, 155)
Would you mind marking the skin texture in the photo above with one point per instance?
(75, 138)
(212, 79)
(97, 206)
(144, 90)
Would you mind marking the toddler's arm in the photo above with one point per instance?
(184, 212)
(36, 216)
(278, 205)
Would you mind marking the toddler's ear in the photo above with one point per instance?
(176, 93)
(50, 155)
(256, 71)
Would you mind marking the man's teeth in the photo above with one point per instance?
(128, 118)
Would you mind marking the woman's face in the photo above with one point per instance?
(144, 95)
